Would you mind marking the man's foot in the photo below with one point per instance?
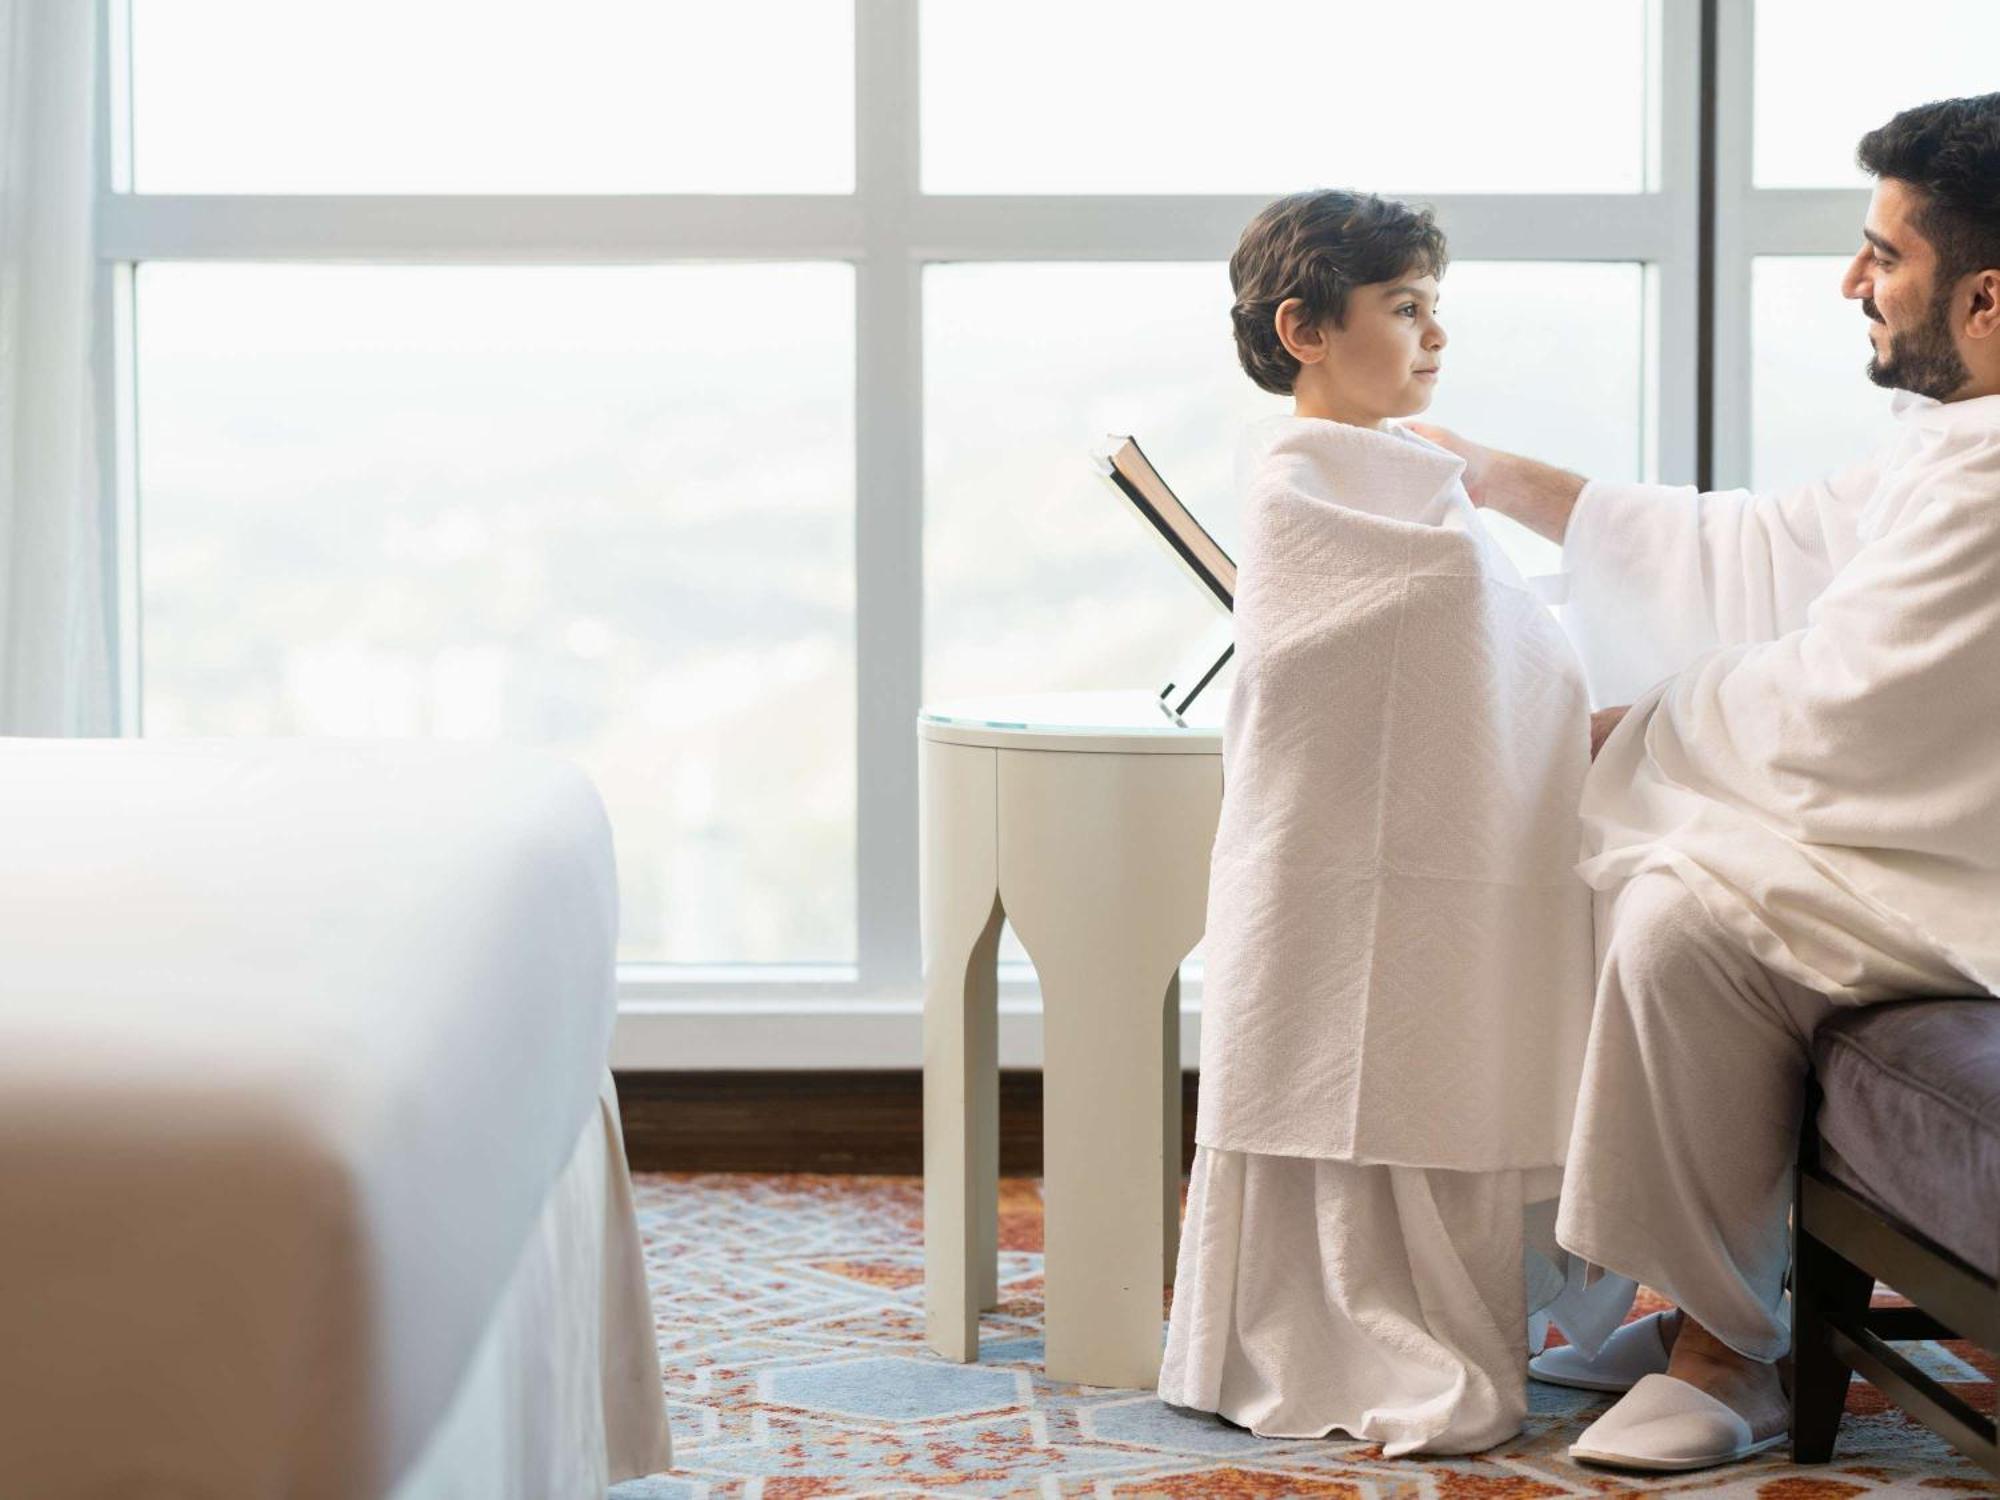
(1710, 1406)
(1753, 1389)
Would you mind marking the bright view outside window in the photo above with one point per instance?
(1826, 76)
(1813, 405)
(1037, 576)
(1823, 80)
(596, 509)
(1131, 96)
(473, 96)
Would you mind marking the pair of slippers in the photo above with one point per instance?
(1662, 1423)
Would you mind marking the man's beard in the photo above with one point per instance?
(1922, 359)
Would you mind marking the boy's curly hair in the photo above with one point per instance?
(1318, 246)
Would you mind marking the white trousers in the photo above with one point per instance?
(1687, 1126)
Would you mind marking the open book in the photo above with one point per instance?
(1134, 476)
(1199, 555)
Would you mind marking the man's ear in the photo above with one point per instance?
(1983, 316)
(1303, 339)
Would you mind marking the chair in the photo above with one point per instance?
(1899, 1182)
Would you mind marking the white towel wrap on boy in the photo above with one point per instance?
(1399, 969)
(1399, 951)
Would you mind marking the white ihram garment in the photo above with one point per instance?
(1398, 971)
(1820, 767)
(1805, 814)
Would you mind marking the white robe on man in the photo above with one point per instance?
(1801, 810)
(1815, 681)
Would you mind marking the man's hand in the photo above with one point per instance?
(1539, 496)
(1478, 459)
(1602, 723)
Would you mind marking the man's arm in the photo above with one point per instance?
(1660, 574)
(1744, 564)
(1540, 496)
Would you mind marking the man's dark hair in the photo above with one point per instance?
(1950, 150)
(1318, 246)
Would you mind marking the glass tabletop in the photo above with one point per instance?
(1133, 711)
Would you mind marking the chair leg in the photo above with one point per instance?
(1823, 1282)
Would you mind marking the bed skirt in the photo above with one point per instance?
(562, 1395)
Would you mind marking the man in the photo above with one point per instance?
(1797, 805)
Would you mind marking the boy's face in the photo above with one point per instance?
(1390, 352)
(1386, 362)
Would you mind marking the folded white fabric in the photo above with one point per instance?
(1399, 952)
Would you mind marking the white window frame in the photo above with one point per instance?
(866, 1014)
(1751, 222)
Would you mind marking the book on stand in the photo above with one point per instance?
(1124, 465)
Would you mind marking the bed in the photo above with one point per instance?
(311, 1181)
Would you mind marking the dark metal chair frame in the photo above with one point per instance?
(1841, 1246)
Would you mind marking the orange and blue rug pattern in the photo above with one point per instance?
(790, 1319)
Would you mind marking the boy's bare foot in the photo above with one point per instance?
(1751, 1388)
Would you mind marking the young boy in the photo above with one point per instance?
(1399, 953)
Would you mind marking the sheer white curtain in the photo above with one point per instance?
(54, 651)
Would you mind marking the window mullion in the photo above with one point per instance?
(1672, 351)
(888, 495)
(1730, 415)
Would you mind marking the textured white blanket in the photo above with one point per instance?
(1399, 951)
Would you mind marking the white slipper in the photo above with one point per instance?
(1635, 1349)
(1664, 1423)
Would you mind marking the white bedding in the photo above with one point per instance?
(296, 1039)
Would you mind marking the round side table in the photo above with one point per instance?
(1085, 819)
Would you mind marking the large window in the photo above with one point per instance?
(473, 96)
(1828, 71)
(1129, 96)
(595, 508)
(1799, 83)
(694, 389)
(1811, 401)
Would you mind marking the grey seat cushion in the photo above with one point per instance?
(1911, 1117)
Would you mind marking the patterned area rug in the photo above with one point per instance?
(790, 1320)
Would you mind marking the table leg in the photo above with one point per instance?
(961, 932)
(1104, 870)
(985, 1182)
(1103, 1144)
